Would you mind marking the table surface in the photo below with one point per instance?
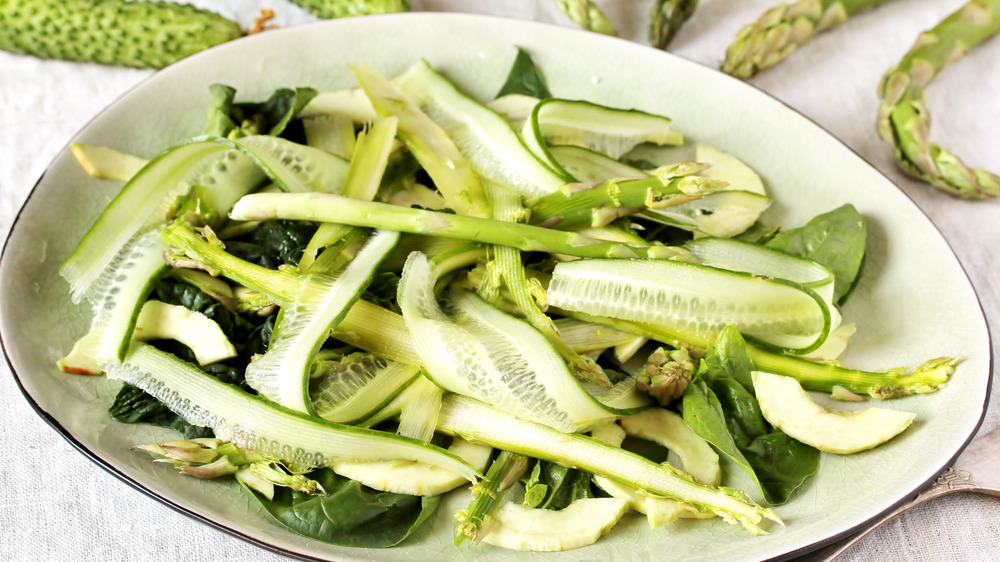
(59, 506)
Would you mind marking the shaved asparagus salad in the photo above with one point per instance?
(354, 302)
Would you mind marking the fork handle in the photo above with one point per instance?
(949, 482)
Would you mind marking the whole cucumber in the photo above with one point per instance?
(136, 34)
(329, 9)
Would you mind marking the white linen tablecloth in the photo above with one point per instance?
(56, 505)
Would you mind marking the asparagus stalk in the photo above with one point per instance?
(507, 207)
(666, 19)
(476, 421)
(367, 326)
(588, 16)
(903, 120)
(371, 156)
(323, 207)
(784, 28)
(576, 204)
(928, 377)
(487, 496)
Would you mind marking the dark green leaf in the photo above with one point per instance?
(758, 233)
(553, 486)
(781, 463)
(274, 243)
(728, 357)
(835, 239)
(219, 121)
(283, 105)
(382, 290)
(721, 408)
(133, 405)
(743, 416)
(524, 78)
(703, 413)
(350, 514)
(271, 117)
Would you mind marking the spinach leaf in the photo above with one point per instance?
(758, 233)
(721, 408)
(271, 117)
(524, 78)
(249, 334)
(274, 243)
(219, 121)
(553, 486)
(350, 514)
(835, 239)
(382, 291)
(728, 358)
(133, 405)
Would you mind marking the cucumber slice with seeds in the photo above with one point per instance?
(694, 299)
(482, 352)
(493, 149)
(282, 374)
(351, 390)
(259, 426)
(600, 128)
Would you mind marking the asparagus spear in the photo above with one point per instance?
(588, 16)
(903, 120)
(596, 205)
(782, 29)
(487, 496)
(507, 207)
(666, 19)
(325, 207)
(930, 376)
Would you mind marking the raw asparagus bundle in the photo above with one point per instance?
(782, 29)
(903, 120)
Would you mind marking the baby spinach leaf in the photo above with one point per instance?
(134, 405)
(274, 243)
(219, 121)
(270, 117)
(835, 239)
(350, 514)
(524, 78)
(721, 408)
(781, 464)
(553, 486)
(728, 357)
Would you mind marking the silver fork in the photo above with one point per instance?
(975, 470)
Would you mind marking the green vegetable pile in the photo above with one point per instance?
(422, 291)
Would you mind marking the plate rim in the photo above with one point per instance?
(262, 543)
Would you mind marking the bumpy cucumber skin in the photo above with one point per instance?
(133, 34)
(329, 9)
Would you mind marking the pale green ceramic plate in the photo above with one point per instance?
(911, 276)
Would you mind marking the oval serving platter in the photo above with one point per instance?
(911, 273)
